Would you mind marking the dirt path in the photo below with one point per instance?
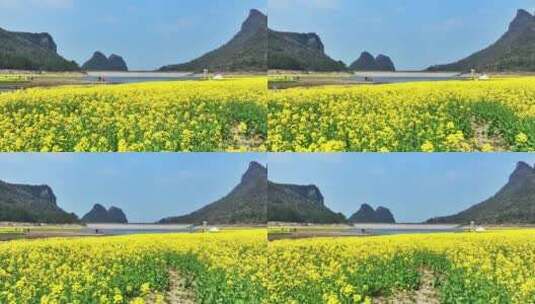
(177, 293)
(426, 294)
(483, 137)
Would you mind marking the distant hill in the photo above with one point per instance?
(514, 203)
(99, 214)
(296, 51)
(366, 62)
(513, 52)
(33, 204)
(28, 51)
(246, 51)
(245, 204)
(99, 62)
(299, 204)
(366, 214)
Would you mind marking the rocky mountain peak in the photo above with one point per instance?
(255, 172)
(99, 62)
(43, 40)
(117, 63)
(521, 171)
(384, 63)
(117, 215)
(383, 215)
(514, 203)
(365, 62)
(46, 193)
(98, 207)
(99, 55)
(313, 193)
(99, 214)
(512, 52)
(31, 203)
(366, 214)
(522, 19)
(255, 21)
(314, 41)
(366, 207)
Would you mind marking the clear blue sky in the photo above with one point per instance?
(415, 33)
(147, 33)
(146, 186)
(414, 186)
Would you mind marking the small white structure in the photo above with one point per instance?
(213, 229)
(218, 77)
(484, 77)
(480, 229)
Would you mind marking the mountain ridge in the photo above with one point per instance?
(31, 51)
(31, 203)
(99, 214)
(299, 51)
(366, 62)
(246, 51)
(514, 51)
(99, 62)
(514, 203)
(244, 204)
(256, 200)
(366, 214)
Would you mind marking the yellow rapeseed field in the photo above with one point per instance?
(225, 115)
(240, 266)
(227, 267)
(429, 116)
(492, 267)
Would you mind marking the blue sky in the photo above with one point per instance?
(146, 186)
(415, 186)
(415, 33)
(147, 33)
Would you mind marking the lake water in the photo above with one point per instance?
(398, 77)
(124, 229)
(384, 229)
(134, 77)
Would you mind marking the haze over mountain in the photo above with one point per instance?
(99, 214)
(29, 51)
(366, 214)
(28, 203)
(99, 62)
(514, 203)
(246, 51)
(513, 52)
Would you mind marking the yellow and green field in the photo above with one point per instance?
(225, 115)
(492, 115)
(12, 78)
(229, 266)
(240, 266)
(492, 267)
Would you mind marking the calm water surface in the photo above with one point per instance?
(125, 229)
(398, 77)
(135, 77)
